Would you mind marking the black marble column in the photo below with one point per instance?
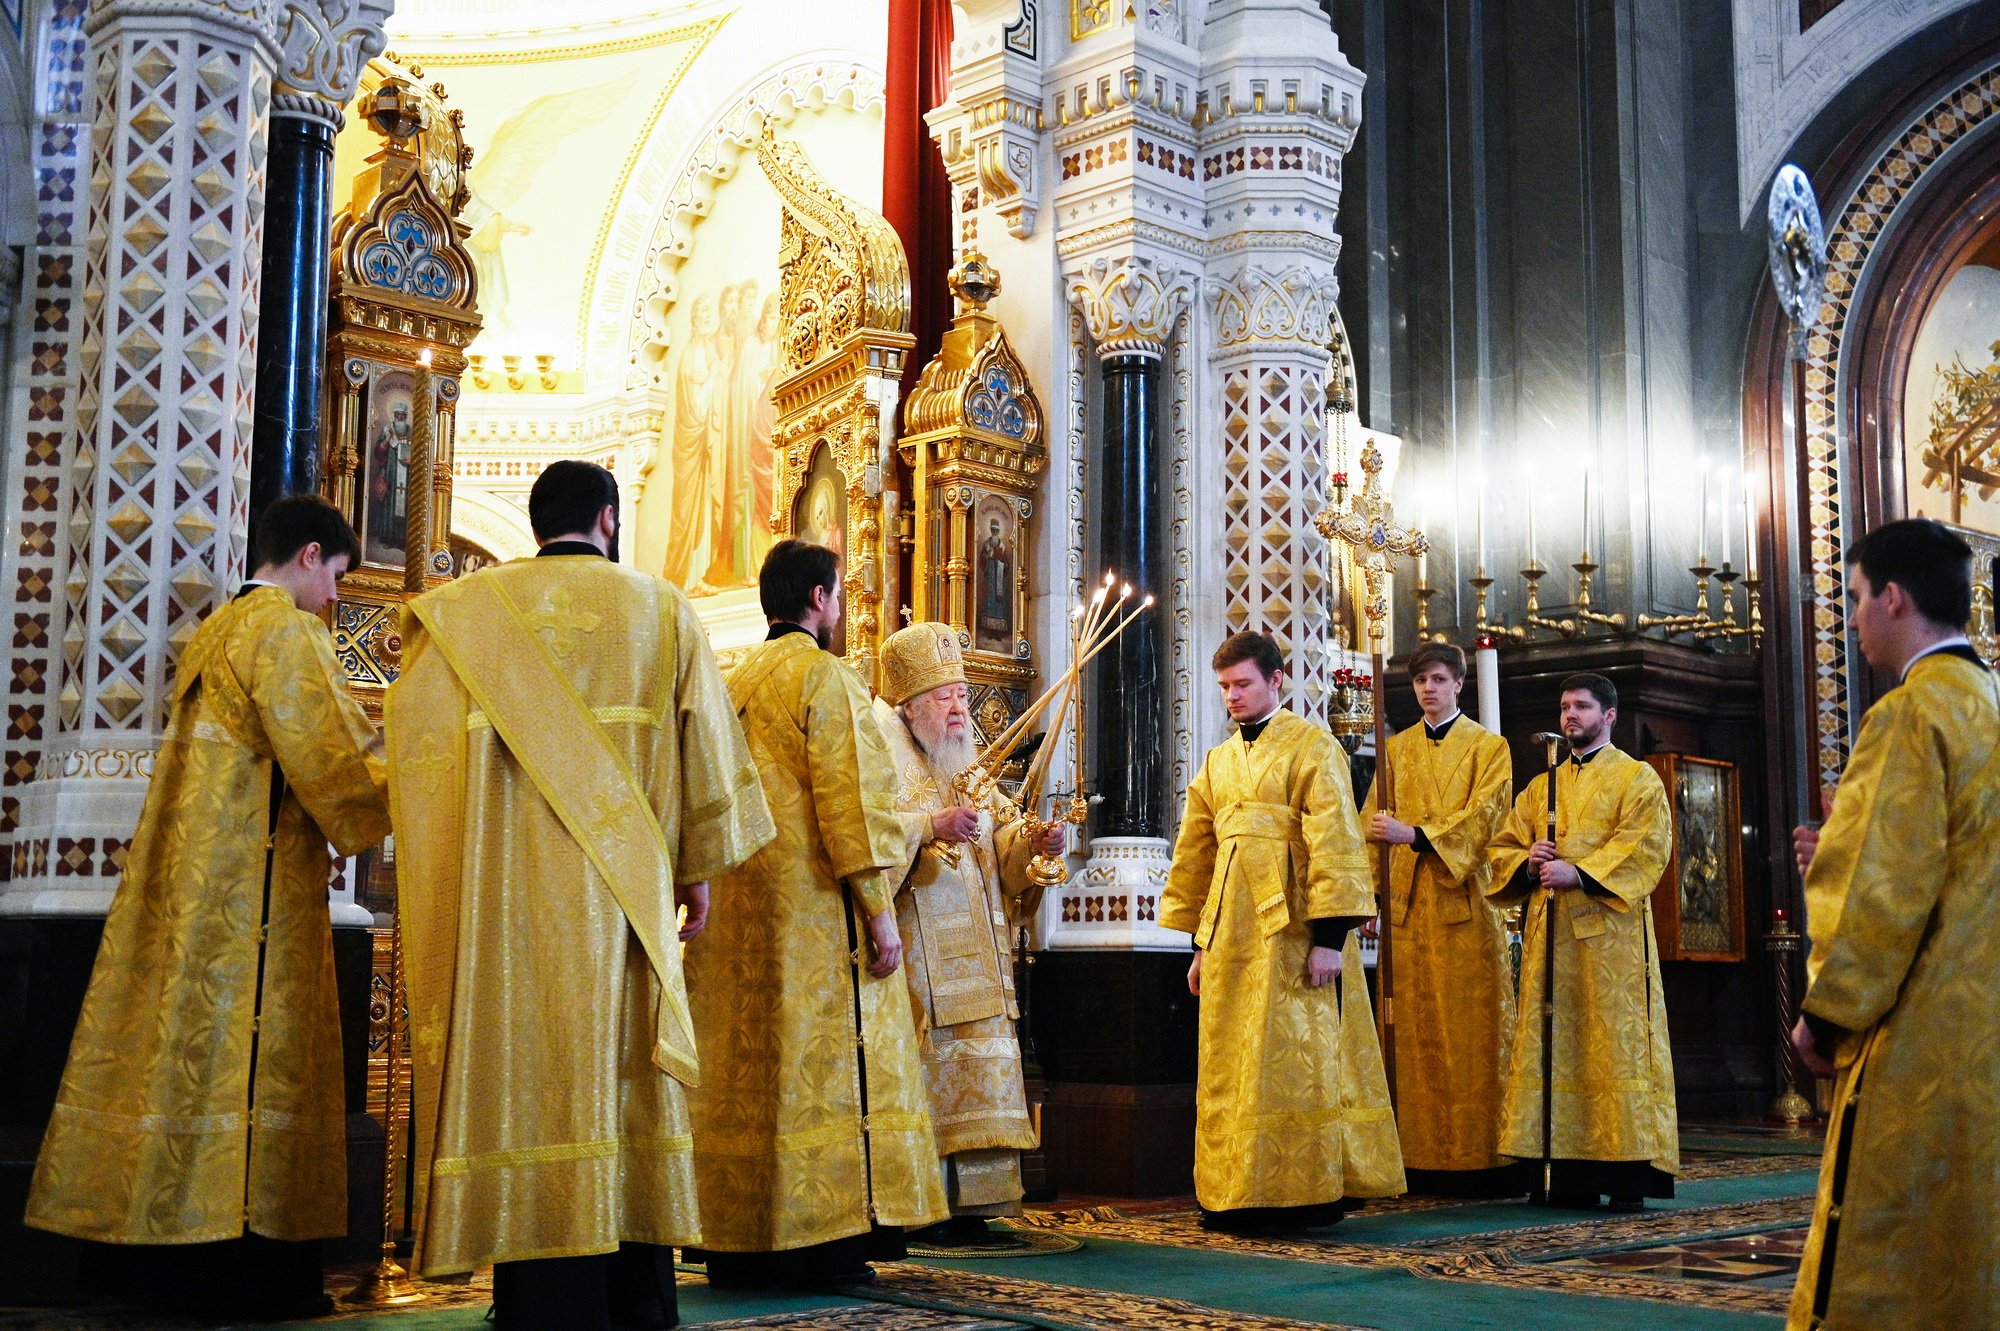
(291, 323)
(1131, 710)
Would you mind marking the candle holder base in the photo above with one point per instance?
(388, 1285)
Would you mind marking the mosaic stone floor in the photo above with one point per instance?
(1770, 1259)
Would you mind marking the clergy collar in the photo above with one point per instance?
(570, 548)
(1436, 733)
(1583, 759)
(1960, 646)
(251, 585)
(780, 627)
(1251, 729)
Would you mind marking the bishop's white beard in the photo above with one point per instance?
(946, 757)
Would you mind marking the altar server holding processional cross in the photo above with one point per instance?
(203, 1105)
(812, 1129)
(568, 772)
(1270, 875)
(1609, 1074)
(968, 889)
(1901, 1006)
(1454, 983)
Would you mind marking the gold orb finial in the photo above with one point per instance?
(974, 281)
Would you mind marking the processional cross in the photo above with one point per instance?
(1368, 524)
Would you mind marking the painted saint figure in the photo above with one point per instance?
(389, 485)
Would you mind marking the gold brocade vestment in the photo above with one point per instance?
(1291, 1102)
(787, 1151)
(161, 1103)
(1613, 1084)
(1901, 902)
(563, 753)
(957, 919)
(1454, 983)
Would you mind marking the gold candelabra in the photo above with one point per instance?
(1094, 626)
(1350, 710)
(1704, 627)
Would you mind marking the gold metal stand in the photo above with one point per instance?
(389, 1284)
(1783, 943)
(1584, 614)
(1706, 628)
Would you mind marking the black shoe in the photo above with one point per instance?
(961, 1231)
(1628, 1203)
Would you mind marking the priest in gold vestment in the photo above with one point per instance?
(967, 891)
(812, 1134)
(1901, 1006)
(1454, 982)
(203, 1098)
(567, 773)
(1614, 1129)
(1270, 875)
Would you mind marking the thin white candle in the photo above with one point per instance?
(1531, 525)
(1586, 509)
(1481, 500)
(1724, 514)
(1749, 536)
(1701, 517)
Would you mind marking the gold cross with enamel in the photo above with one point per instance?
(562, 624)
(1369, 526)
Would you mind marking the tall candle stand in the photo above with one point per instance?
(1482, 587)
(1424, 594)
(1704, 627)
(1584, 614)
(1531, 610)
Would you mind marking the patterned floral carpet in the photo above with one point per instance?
(1722, 1255)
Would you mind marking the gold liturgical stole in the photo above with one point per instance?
(550, 730)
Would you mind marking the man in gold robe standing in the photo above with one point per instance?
(968, 889)
(1901, 1006)
(1454, 983)
(567, 774)
(1613, 1126)
(1270, 875)
(812, 1134)
(203, 1106)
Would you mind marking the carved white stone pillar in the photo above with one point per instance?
(155, 493)
(1270, 355)
(1279, 108)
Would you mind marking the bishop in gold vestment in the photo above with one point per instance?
(810, 1123)
(1291, 1104)
(1454, 982)
(1613, 1123)
(1903, 979)
(967, 890)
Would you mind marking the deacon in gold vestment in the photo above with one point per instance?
(1270, 874)
(1454, 983)
(566, 770)
(1902, 1004)
(811, 1126)
(967, 890)
(203, 1096)
(1614, 1126)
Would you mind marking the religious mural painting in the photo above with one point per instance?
(1951, 398)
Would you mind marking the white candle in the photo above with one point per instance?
(1531, 525)
(1488, 668)
(1701, 516)
(1481, 501)
(1423, 557)
(1724, 506)
(1586, 509)
(1749, 536)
